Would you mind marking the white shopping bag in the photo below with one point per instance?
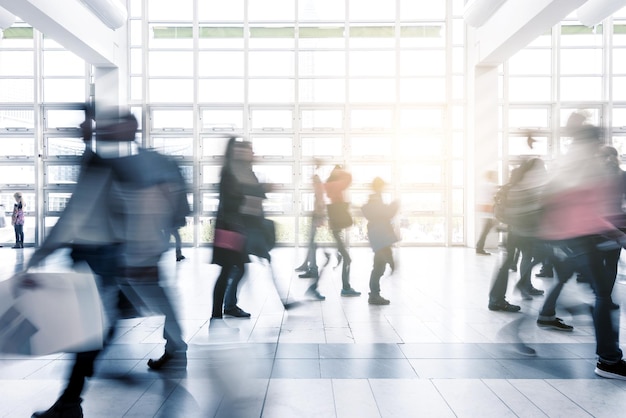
(61, 312)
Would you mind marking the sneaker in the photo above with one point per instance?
(169, 360)
(556, 323)
(482, 252)
(237, 312)
(611, 371)
(504, 306)
(303, 267)
(376, 299)
(350, 292)
(535, 292)
(180, 257)
(311, 273)
(314, 294)
(62, 409)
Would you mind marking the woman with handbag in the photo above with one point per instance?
(339, 218)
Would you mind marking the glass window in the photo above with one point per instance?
(271, 10)
(372, 36)
(221, 63)
(272, 120)
(136, 61)
(619, 33)
(211, 173)
(271, 63)
(525, 89)
(217, 10)
(426, 201)
(329, 146)
(581, 61)
(420, 146)
(210, 202)
(58, 201)
(322, 63)
(17, 147)
(62, 63)
(371, 119)
(176, 146)
(271, 91)
(169, 36)
(371, 10)
(321, 119)
(576, 34)
(525, 118)
(422, 9)
(531, 62)
(363, 174)
(16, 63)
(372, 63)
(278, 203)
(581, 88)
(272, 36)
(423, 173)
(17, 36)
(163, 10)
(135, 28)
(322, 90)
(420, 90)
(458, 202)
(222, 119)
(427, 62)
(371, 146)
(171, 119)
(221, 91)
(168, 90)
(619, 117)
(322, 36)
(214, 147)
(160, 63)
(618, 85)
(619, 60)
(17, 90)
(136, 88)
(68, 147)
(221, 37)
(64, 118)
(272, 146)
(427, 35)
(372, 90)
(521, 145)
(593, 115)
(278, 174)
(17, 119)
(322, 10)
(421, 118)
(62, 174)
(64, 90)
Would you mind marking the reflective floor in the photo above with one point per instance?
(435, 351)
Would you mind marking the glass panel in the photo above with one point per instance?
(573, 34)
(65, 147)
(372, 119)
(371, 146)
(419, 146)
(17, 119)
(182, 147)
(322, 146)
(358, 233)
(168, 36)
(619, 118)
(458, 173)
(271, 10)
(278, 120)
(592, 114)
(58, 201)
(171, 119)
(17, 90)
(17, 36)
(619, 61)
(278, 174)
(160, 63)
(136, 88)
(362, 63)
(458, 203)
(581, 61)
(428, 35)
(321, 37)
(217, 10)
(210, 202)
(271, 91)
(205, 229)
(524, 118)
(321, 119)
(17, 147)
(618, 87)
(322, 91)
(278, 203)
(222, 119)
(177, 91)
(581, 88)
(211, 173)
(214, 147)
(221, 37)
(271, 63)
(322, 63)
(17, 174)
(323, 10)
(458, 145)
(308, 170)
(423, 229)
(221, 63)
(422, 9)
(619, 142)
(372, 36)
(372, 90)
(16, 63)
(272, 36)
(427, 62)
(619, 33)
(521, 145)
(136, 32)
(529, 89)
(323, 234)
(371, 10)
(458, 60)
(422, 90)
(458, 230)
(272, 146)
(426, 201)
(64, 90)
(163, 10)
(62, 63)
(421, 118)
(363, 174)
(62, 174)
(285, 230)
(66, 118)
(531, 62)
(187, 172)
(423, 173)
(221, 91)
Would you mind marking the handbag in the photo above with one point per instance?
(229, 240)
(339, 215)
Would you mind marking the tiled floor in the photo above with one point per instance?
(436, 351)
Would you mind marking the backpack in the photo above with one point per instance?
(500, 203)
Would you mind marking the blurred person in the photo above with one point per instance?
(114, 222)
(339, 219)
(484, 206)
(178, 243)
(381, 236)
(523, 213)
(17, 220)
(577, 208)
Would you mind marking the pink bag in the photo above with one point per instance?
(229, 240)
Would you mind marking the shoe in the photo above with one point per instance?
(377, 299)
(350, 293)
(180, 257)
(314, 294)
(168, 360)
(237, 312)
(503, 306)
(482, 252)
(311, 273)
(535, 292)
(556, 323)
(611, 371)
(62, 409)
(545, 274)
(17, 245)
(303, 267)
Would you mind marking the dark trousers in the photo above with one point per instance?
(382, 257)
(219, 290)
(345, 267)
(488, 224)
(19, 233)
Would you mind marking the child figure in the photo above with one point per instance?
(381, 236)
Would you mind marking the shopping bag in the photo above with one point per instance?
(60, 312)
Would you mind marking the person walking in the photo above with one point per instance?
(484, 206)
